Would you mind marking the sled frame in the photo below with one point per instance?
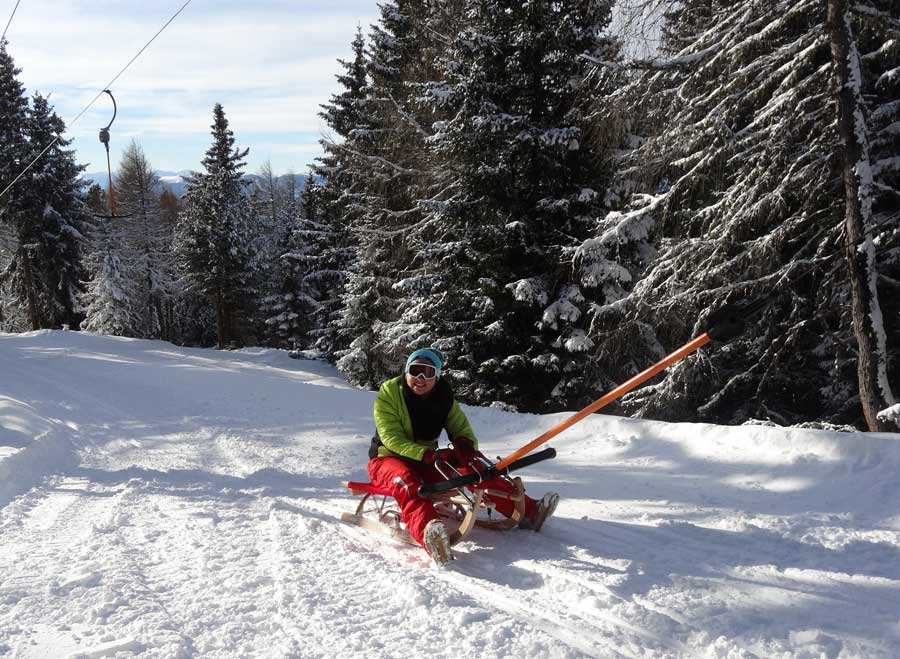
(378, 511)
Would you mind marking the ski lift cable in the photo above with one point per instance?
(9, 22)
(94, 100)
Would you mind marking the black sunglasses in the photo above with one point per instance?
(424, 371)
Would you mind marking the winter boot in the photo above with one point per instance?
(437, 542)
(545, 507)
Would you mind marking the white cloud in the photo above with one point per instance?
(270, 63)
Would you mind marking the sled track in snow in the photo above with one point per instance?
(70, 521)
(50, 524)
(581, 611)
(581, 620)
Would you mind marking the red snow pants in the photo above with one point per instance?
(403, 478)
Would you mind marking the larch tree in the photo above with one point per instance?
(149, 243)
(170, 207)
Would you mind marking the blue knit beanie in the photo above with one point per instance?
(433, 355)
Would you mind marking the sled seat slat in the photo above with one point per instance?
(365, 488)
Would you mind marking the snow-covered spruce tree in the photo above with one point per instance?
(10, 311)
(345, 111)
(336, 191)
(151, 265)
(333, 194)
(108, 298)
(384, 164)
(213, 236)
(13, 109)
(286, 308)
(49, 216)
(490, 266)
(289, 308)
(322, 262)
(13, 149)
(729, 191)
(293, 309)
(274, 215)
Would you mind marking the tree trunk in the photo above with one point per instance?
(28, 281)
(161, 332)
(868, 325)
(221, 320)
(170, 315)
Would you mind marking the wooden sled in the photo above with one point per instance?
(377, 510)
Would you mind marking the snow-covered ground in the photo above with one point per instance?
(166, 502)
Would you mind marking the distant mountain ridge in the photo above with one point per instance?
(177, 181)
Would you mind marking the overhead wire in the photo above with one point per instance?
(94, 100)
(9, 22)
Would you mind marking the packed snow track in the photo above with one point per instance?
(167, 502)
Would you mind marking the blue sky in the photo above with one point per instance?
(271, 63)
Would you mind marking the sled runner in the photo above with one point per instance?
(461, 509)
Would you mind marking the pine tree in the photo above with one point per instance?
(46, 271)
(108, 304)
(277, 216)
(324, 263)
(13, 152)
(728, 191)
(333, 193)
(489, 277)
(213, 235)
(13, 109)
(344, 113)
(389, 174)
(292, 306)
(10, 310)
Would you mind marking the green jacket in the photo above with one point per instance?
(395, 427)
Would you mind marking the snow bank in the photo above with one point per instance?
(51, 452)
(19, 423)
(891, 414)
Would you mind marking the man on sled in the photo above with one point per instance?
(411, 410)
